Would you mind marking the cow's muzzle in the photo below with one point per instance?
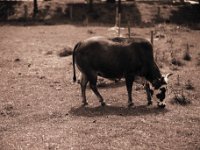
(161, 97)
(161, 105)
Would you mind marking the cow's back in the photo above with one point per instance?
(113, 58)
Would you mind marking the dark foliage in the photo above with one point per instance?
(7, 8)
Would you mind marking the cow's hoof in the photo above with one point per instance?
(103, 104)
(130, 105)
(149, 103)
(85, 104)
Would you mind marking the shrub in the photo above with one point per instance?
(181, 100)
(65, 52)
(189, 85)
(176, 62)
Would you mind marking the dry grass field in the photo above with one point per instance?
(40, 106)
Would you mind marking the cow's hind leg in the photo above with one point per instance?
(83, 82)
(129, 85)
(93, 85)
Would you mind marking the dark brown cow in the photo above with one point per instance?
(118, 58)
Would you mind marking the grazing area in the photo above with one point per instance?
(41, 107)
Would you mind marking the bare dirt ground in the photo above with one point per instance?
(40, 107)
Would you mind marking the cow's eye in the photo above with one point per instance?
(162, 89)
(158, 96)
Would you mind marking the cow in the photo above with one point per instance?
(117, 58)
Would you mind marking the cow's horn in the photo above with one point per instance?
(167, 76)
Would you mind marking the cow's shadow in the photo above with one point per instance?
(116, 110)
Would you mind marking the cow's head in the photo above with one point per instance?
(160, 86)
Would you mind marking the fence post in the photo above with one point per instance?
(35, 8)
(187, 48)
(129, 28)
(119, 15)
(71, 12)
(158, 14)
(119, 23)
(152, 37)
(116, 17)
(25, 12)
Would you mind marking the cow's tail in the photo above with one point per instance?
(73, 58)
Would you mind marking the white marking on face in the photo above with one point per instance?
(161, 103)
(163, 86)
(161, 95)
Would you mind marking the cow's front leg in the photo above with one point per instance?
(149, 93)
(83, 83)
(129, 85)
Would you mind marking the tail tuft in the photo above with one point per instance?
(74, 79)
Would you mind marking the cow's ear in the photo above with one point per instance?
(163, 80)
(166, 77)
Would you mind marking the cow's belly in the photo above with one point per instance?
(110, 74)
